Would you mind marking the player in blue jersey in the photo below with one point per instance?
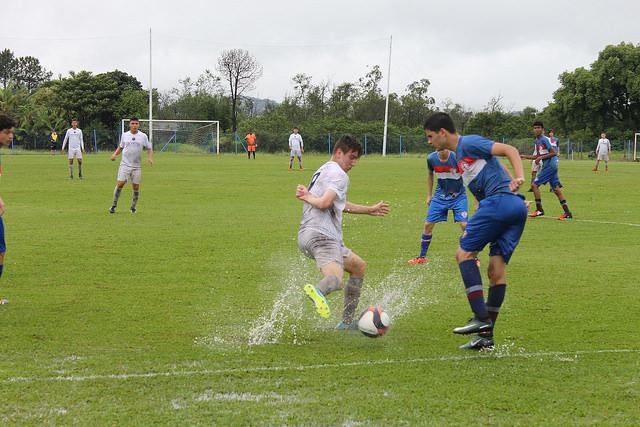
(547, 156)
(499, 220)
(6, 136)
(450, 195)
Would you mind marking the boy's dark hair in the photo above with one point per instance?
(74, 120)
(348, 143)
(6, 122)
(134, 119)
(538, 123)
(438, 121)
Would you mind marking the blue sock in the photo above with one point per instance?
(424, 244)
(473, 286)
(495, 299)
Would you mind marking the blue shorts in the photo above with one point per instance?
(499, 221)
(3, 245)
(439, 209)
(548, 175)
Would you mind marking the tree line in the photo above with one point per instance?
(602, 97)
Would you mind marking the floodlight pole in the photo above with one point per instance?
(150, 92)
(386, 104)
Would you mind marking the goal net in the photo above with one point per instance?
(181, 135)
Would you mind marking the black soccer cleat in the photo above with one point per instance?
(112, 210)
(132, 210)
(480, 343)
(474, 326)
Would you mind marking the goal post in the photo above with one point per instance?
(635, 146)
(202, 134)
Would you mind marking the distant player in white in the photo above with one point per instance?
(131, 145)
(296, 146)
(320, 232)
(76, 147)
(602, 152)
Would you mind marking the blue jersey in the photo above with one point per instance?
(543, 146)
(450, 185)
(482, 173)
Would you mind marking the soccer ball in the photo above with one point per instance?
(374, 322)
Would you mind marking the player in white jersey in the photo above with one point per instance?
(296, 147)
(131, 145)
(320, 233)
(602, 152)
(76, 147)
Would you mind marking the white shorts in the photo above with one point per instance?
(603, 156)
(323, 249)
(296, 153)
(128, 174)
(77, 153)
(535, 166)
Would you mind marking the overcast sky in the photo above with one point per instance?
(469, 50)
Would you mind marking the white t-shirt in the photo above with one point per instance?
(603, 146)
(74, 137)
(295, 142)
(330, 176)
(132, 146)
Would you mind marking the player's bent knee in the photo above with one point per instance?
(462, 255)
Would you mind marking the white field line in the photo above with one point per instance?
(596, 222)
(301, 368)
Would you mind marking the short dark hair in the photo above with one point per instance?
(6, 122)
(296, 127)
(538, 123)
(438, 121)
(74, 120)
(134, 119)
(348, 143)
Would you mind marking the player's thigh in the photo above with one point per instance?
(136, 176)
(323, 249)
(545, 175)
(3, 244)
(438, 211)
(354, 264)
(535, 166)
(483, 228)
(514, 218)
(460, 208)
(124, 173)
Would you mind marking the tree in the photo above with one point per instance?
(241, 70)
(416, 103)
(605, 96)
(30, 73)
(8, 65)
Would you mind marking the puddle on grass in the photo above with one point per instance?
(290, 318)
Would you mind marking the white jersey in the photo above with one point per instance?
(295, 142)
(330, 176)
(604, 146)
(74, 138)
(132, 146)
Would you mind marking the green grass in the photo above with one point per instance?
(146, 319)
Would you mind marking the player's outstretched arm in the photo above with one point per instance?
(379, 209)
(512, 154)
(64, 142)
(116, 153)
(322, 203)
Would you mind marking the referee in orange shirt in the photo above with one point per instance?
(251, 144)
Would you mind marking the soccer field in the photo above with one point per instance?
(191, 312)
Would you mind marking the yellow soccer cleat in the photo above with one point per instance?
(318, 300)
